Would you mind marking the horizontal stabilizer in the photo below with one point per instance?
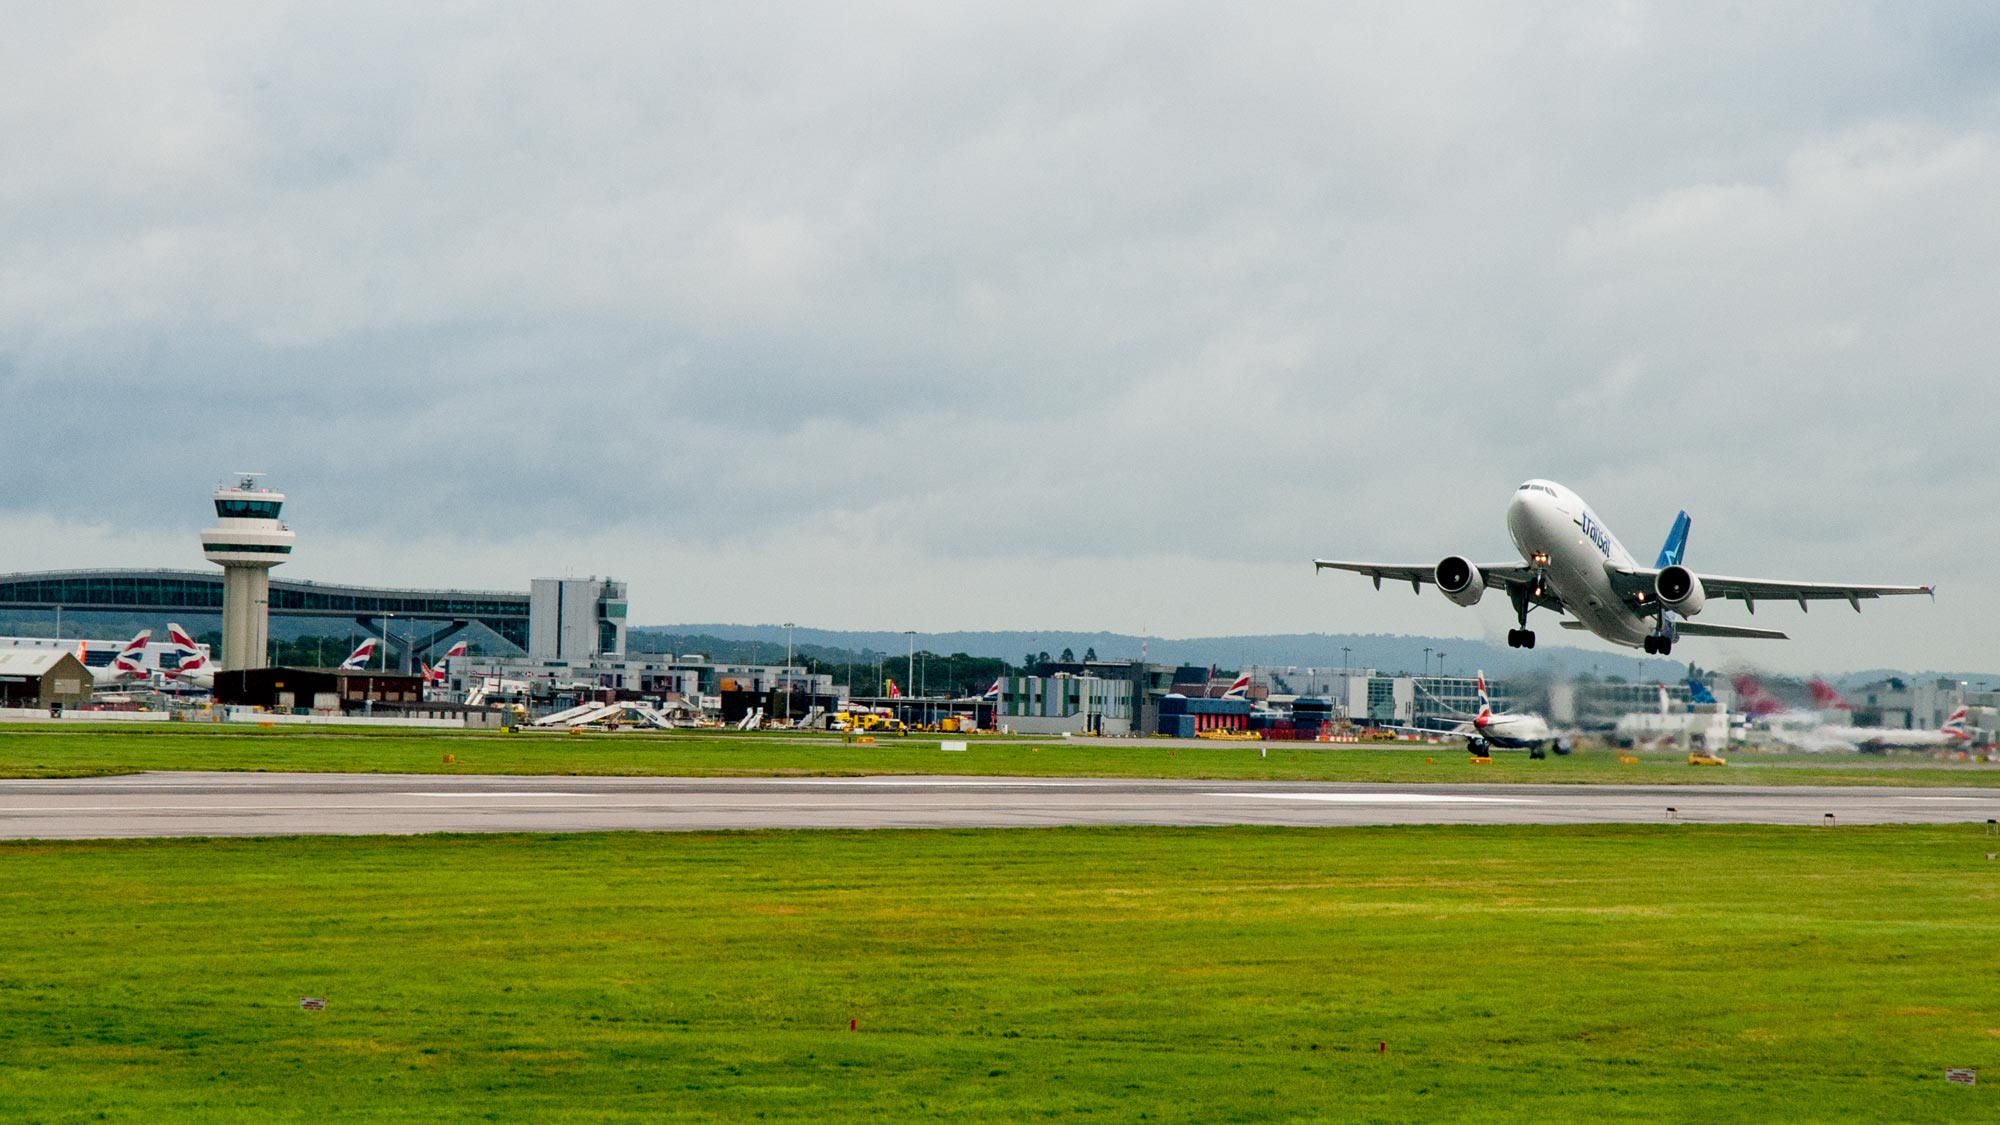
(1695, 629)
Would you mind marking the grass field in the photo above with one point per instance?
(73, 752)
(1206, 975)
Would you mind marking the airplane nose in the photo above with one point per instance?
(1533, 520)
(1521, 512)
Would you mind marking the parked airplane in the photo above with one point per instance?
(1512, 730)
(437, 675)
(196, 670)
(124, 667)
(1832, 736)
(1571, 563)
(1507, 730)
(358, 659)
(1239, 689)
(1826, 698)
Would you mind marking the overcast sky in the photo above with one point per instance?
(1019, 316)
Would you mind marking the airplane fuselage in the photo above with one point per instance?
(1558, 534)
(1516, 732)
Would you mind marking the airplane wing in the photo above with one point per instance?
(1631, 580)
(1505, 577)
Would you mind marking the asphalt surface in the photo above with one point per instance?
(260, 804)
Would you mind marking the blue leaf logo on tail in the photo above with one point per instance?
(1676, 545)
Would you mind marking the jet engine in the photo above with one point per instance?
(1460, 580)
(1679, 590)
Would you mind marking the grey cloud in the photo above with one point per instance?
(1044, 286)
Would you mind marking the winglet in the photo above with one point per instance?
(1675, 547)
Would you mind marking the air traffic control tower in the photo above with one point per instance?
(247, 541)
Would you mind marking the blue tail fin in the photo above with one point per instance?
(1677, 542)
(1698, 692)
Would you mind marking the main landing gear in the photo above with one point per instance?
(1523, 637)
(1657, 645)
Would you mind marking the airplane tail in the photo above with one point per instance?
(188, 657)
(1698, 692)
(129, 657)
(1485, 715)
(1954, 727)
(454, 652)
(1827, 699)
(1664, 703)
(1240, 689)
(992, 692)
(1675, 547)
(358, 659)
(894, 691)
(1751, 698)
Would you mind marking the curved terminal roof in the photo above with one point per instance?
(167, 592)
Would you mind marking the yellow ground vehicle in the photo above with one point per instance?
(873, 722)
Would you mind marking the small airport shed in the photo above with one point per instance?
(324, 690)
(31, 677)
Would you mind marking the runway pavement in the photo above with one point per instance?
(259, 804)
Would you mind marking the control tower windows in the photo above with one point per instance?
(248, 509)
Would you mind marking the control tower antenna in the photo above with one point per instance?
(247, 541)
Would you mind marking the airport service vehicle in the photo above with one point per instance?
(1572, 564)
(125, 667)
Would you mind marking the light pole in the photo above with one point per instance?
(788, 671)
(1440, 664)
(385, 641)
(910, 674)
(1427, 660)
(1344, 665)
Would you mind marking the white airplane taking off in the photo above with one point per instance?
(1571, 563)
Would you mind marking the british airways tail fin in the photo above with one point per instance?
(1676, 545)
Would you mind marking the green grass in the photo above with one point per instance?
(73, 752)
(1193, 975)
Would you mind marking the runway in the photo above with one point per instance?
(259, 804)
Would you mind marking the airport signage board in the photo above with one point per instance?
(1962, 1075)
(312, 1003)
